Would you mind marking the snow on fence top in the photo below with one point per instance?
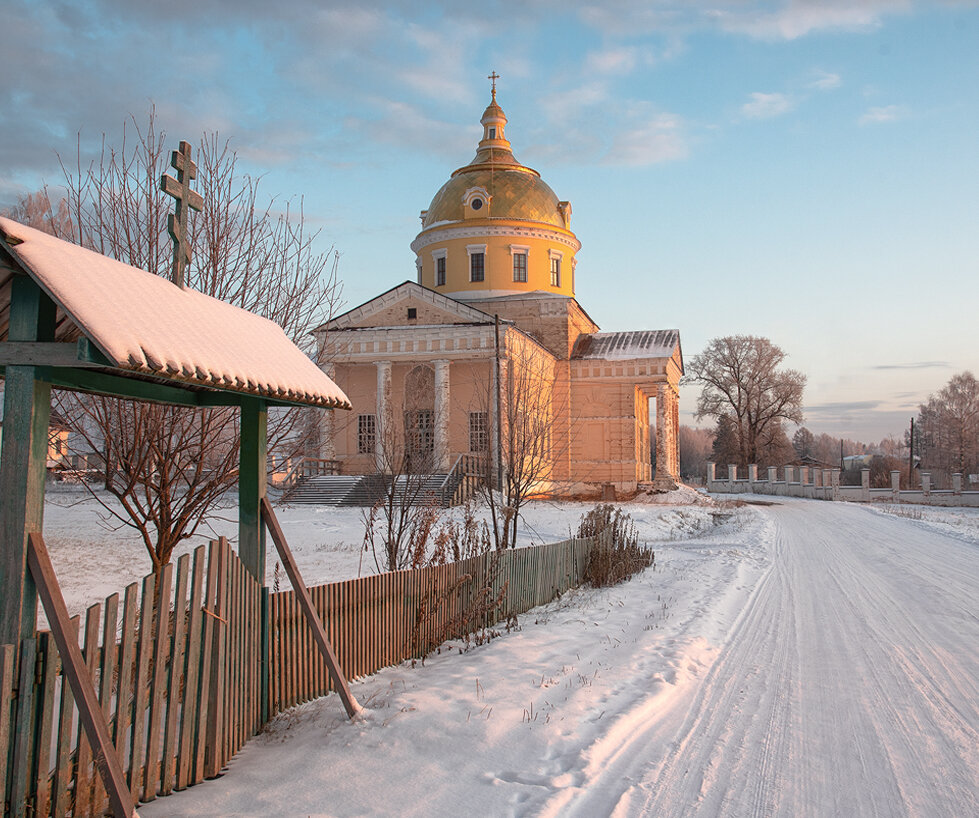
(144, 323)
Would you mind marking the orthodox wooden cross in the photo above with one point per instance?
(493, 78)
(179, 188)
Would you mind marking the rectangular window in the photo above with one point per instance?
(519, 266)
(478, 432)
(440, 271)
(555, 271)
(366, 434)
(477, 266)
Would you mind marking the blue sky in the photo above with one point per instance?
(802, 171)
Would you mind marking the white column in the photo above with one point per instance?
(328, 449)
(442, 463)
(384, 429)
(664, 479)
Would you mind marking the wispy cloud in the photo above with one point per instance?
(916, 365)
(766, 106)
(843, 407)
(797, 18)
(885, 113)
(659, 139)
(825, 81)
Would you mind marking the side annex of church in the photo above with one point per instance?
(489, 347)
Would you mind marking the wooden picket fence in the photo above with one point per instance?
(179, 684)
(382, 620)
(182, 683)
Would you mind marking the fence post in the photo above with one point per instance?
(732, 475)
(752, 476)
(772, 476)
(835, 478)
(865, 483)
(926, 483)
(957, 483)
(895, 483)
(711, 474)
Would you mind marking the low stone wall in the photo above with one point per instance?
(824, 484)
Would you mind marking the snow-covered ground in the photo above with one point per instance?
(802, 658)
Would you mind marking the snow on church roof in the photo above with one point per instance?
(617, 346)
(145, 324)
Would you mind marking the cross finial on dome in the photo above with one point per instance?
(493, 78)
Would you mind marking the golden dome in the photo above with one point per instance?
(515, 191)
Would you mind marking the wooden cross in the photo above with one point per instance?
(179, 188)
(493, 78)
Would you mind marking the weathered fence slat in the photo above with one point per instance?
(107, 668)
(137, 764)
(174, 677)
(7, 664)
(63, 774)
(46, 692)
(21, 762)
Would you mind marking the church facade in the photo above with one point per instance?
(488, 352)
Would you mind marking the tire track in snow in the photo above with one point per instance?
(848, 687)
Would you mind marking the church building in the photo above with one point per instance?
(488, 353)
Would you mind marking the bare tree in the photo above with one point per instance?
(741, 380)
(399, 524)
(695, 450)
(523, 466)
(948, 427)
(168, 467)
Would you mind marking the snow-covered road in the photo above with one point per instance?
(807, 659)
(849, 686)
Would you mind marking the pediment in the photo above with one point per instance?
(390, 309)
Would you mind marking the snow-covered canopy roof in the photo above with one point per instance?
(619, 346)
(145, 325)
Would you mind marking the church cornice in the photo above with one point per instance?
(434, 235)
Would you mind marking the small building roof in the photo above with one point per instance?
(621, 346)
(146, 326)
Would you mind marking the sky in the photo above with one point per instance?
(801, 171)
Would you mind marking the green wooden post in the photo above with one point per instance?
(251, 486)
(23, 459)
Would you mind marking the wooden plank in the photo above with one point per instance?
(161, 653)
(63, 772)
(7, 665)
(124, 688)
(84, 772)
(217, 704)
(106, 760)
(137, 764)
(175, 678)
(251, 486)
(107, 670)
(302, 594)
(23, 732)
(188, 727)
(210, 623)
(50, 353)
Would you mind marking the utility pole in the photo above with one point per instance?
(911, 457)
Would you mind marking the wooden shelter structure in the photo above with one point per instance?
(74, 319)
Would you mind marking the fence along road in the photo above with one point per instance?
(849, 686)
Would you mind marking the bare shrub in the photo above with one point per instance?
(616, 554)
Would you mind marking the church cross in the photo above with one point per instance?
(493, 78)
(179, 188)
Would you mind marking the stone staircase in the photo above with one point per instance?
(362, 490)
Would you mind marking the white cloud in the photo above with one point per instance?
(797, 18)
(659, 139)
(825, 81)
(620, 60)
(766, 106)
(885, 113)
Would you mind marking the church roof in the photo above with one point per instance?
(620, 346)
(145, 325)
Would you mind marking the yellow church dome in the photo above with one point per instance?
(526, 230)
